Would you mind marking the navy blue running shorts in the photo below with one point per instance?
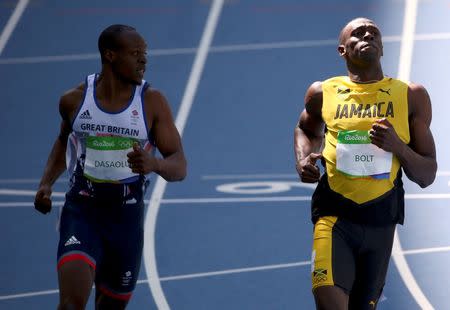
(106, 235)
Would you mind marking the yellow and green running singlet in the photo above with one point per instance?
(357, 169)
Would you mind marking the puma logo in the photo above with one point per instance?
(385, 91)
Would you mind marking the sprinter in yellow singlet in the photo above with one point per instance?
(365, 128)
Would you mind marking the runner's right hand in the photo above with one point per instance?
(307, 169)
(42, 201)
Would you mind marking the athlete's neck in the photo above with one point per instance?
(369, 74)
(112, 92)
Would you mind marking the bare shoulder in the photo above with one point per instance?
(315, 88)
(71, 100)
(154, 96)
(314, 98)
(155, 102)
(419, 102)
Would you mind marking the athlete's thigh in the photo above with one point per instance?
(79, 239)
(333, 261)
(119, 269)
(78, 253)
(372, 267)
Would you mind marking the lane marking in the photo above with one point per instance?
(216, 49)
(404, 70)
(237, 270)
(427, 250)
(90, 56)
(281, 199)
(441, 173)
(205, 201)
(27, 204)
(178, 277)
(12, 23)
(234, 200)
(180, 122)
(427, 196)
(28, 181)
(30, 294)
(224, 272)
(249, 176)
(22, 192)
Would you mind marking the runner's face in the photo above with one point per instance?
(131, 57)
(361, 40)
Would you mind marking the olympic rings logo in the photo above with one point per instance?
(125, 144)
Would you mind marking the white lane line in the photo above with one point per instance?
(204, 201)
(404, 70)
(12, 23)
(432, 36)
(181, 119)
(216, 49)
(255, 176)
(250, 176)
(427, 196)
(90, 56)
(279, 199)
(407, 42)
(21, 192)
(439, 173)
(28, 181)
(231, 271)
(223, 272)
(27, 204)
(234, 200)
(30, 294)
(427, 250)
(178, 277)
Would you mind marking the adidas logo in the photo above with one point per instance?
(72, 240)
(86, 115)
(131, 201)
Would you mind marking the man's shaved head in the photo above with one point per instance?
(349, 25)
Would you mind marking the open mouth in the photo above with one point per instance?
(367, 46)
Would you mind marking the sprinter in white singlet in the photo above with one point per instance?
(111, 125)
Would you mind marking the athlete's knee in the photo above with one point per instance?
(104, 302)
(72, 303)
(330, 298)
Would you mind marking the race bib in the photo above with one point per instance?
(106, 158)
(357, 157)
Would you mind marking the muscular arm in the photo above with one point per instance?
(56, 163)
(308, 135)
(418, 158)
(172, 167)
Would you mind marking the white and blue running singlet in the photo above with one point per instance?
(98, 145)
